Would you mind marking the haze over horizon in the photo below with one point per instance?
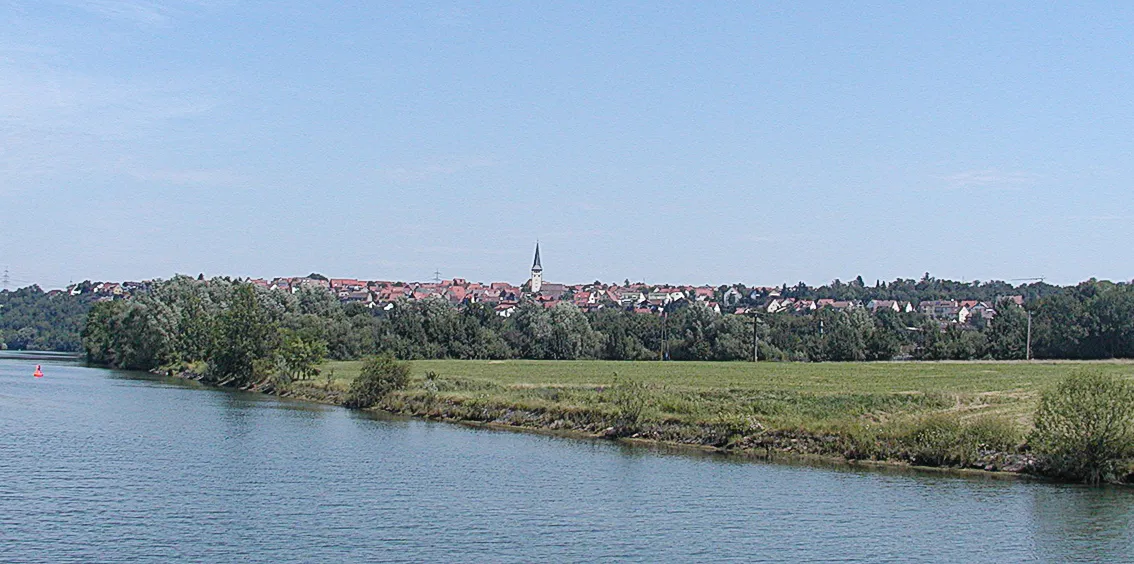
(662, 142)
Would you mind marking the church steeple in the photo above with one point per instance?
(537, 272)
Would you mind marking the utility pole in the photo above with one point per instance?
(755, 341)
(1028, 347)
(755, 338)
(665, 334)
(1028, 350)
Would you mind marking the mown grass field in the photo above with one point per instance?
(815, 397)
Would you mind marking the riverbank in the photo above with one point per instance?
(964, 416)
(960, 415)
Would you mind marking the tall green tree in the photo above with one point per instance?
(245, 333)
(1007, 334)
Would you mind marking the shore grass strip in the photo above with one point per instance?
(957, 414)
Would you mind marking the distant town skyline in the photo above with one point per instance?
(12, 281)
(690, 144)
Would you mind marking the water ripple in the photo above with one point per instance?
(110, 467)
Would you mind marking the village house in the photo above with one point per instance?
(310, 283)
(802, 306)
(893, 305)
(875, 305)
(778, 305)
(628, 297)
(731, 297)
(612, 295)
(456, 294)
(1016, 300)
(664, 296)
(950, 311)
(347, 284)
(554, 291)
(358, 296)
(983, 311)
(504, 297)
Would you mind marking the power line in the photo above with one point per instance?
(7, 280)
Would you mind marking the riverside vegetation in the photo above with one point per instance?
(957, 414)
(975, 415)
(31, 319)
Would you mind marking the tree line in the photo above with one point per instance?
(31, 319)
(239, 330)
(913, 290)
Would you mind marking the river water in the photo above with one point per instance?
(98, 465)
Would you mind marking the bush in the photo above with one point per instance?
(990, 432)
(1085, 427)
(935, 440)
(943, 439)
(379, 376)
(630, 397)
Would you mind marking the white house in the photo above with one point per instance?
(732, 297)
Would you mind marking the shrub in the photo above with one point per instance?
(944, 439)
(1084, 427)
(992, 433)
(379, 376)
(935, 440)
(863, 442)
(630, 397)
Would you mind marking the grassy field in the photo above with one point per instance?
(812, 396)
(946, 414)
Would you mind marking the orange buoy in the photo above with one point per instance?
(38, 373)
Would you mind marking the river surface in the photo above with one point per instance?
(105, 466)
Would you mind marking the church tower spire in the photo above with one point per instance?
(537, 272)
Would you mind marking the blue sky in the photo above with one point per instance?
(666, 142)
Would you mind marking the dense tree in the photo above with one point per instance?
(33, 319)
(243, 333)
(732, 338)
(560, 333)
(571, 334)
(627, 335)
(97, 336)
(1091, 320)
(886, 336)
(691, 333)
(1060, 327)
(144, 335)
(1007, 334)
(299, 355)
(845, 336)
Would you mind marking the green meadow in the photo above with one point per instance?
(812, 397)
